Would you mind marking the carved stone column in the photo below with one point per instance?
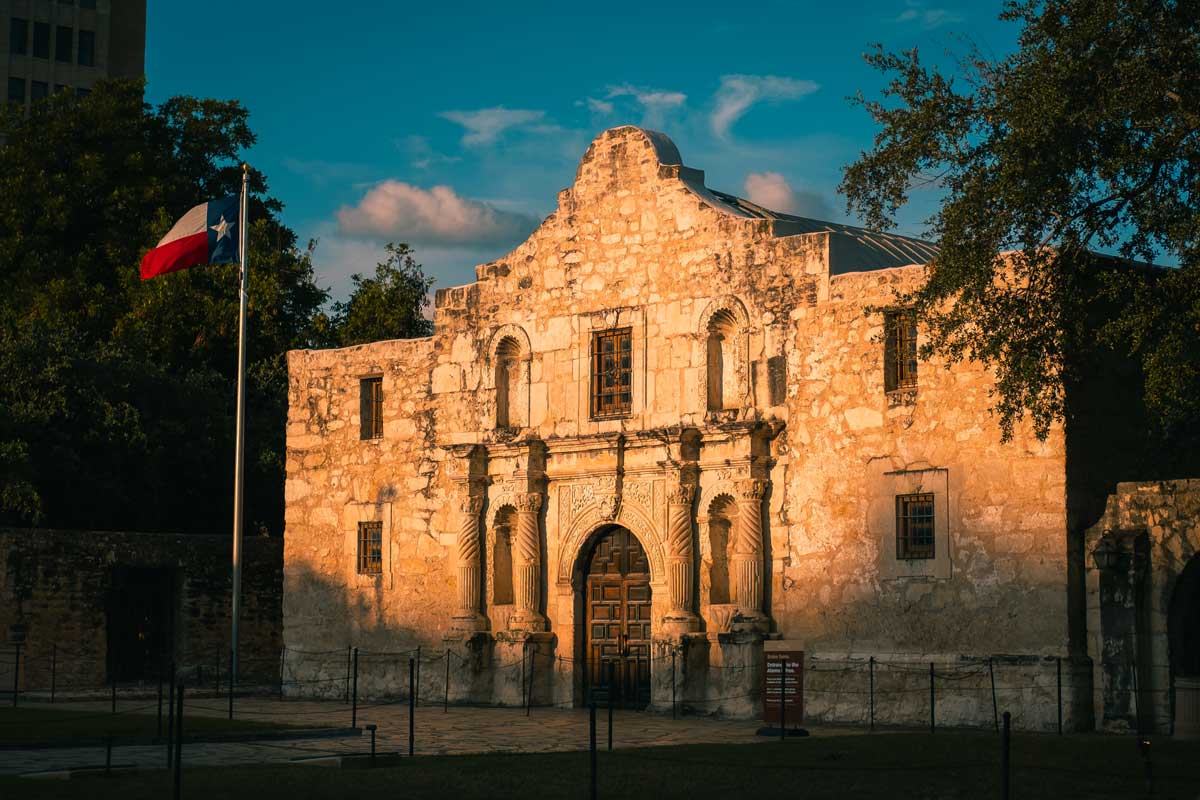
(748, 549)
(469, 616)
(528, 564)
(681, 617)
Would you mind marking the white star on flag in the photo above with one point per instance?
(222, 228)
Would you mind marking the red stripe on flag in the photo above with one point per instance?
(173, 256)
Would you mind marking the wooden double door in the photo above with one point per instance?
(618, 621)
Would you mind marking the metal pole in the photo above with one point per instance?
(16, 672)
(239, 466)
(54, 670)
(872, 669)
(282, 661)
(932, 699)
(171, 723)
(1059, 660)
(1004, 757)
(672, 684)
(354, 694)
(179, 743)
(446, 697)
(995, 712)
(612, 683)
(231, 684)
(592, 744)
(412, 705)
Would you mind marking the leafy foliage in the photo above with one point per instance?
(389, 305)
(117, 408)
(1086, 138)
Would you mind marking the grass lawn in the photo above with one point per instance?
(41, 725)
(945, 765)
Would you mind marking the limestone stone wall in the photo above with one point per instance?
(790, 446)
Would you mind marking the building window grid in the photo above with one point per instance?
(612, 373)
(901, 351)
(914, 526)
(18, 36)
(370, 548)
(371, 408)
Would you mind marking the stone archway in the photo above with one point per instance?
(614, 612)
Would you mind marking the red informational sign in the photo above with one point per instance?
(783, 692)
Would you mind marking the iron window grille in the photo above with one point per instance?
(370, 548)
(612, 372)
(370, 408)
(900, 351)
(914, 526)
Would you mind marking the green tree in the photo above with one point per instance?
(388, 306)
(1086, 138)
(117, 408)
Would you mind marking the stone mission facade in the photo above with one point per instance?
(664, 434)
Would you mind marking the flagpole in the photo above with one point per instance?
(240, 463)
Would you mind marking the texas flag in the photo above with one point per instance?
(205, 235)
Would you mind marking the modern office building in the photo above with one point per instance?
(52, 45)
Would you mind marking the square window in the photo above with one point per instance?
(612, 372)
(87, 48)
(41, 39)
(38, 90)
(63, 38)
(18, 36)
(900, 350)
(16, 90)
(370, 548)
(914, 526)
(370, 408)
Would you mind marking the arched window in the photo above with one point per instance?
(721, 521)
(511, 391)
(502, 563)
(722, 361)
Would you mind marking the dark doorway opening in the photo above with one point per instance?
(141, 618)
(617, 604)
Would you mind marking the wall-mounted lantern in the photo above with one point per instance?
(1107, 555)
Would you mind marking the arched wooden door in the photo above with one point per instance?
(618, 621)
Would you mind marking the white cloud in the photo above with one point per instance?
(738, 93)
(771, 190)
(403, 212)
(596, 106)
(928, 18)
(650, 99)
(485, 125)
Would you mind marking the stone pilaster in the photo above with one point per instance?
(469, 616)
(527, 564)
(747, 561)
(681, 616)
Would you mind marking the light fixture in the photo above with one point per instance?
(1107, 554)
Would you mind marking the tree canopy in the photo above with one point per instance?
(1085, 139)
(117, 407)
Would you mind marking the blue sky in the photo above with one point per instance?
(453, 125)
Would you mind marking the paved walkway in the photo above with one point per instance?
(461, 730)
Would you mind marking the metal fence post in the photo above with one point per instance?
(995, 712)
(16, 672)
(612, 684)
(354, 694)
(1005, 757)
(412, 705)
(932, 699)
(179, 743)
(592, 744)
(871, 667)
(1059, 662)
(282, 661)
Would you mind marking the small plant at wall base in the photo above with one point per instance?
(1086, 138)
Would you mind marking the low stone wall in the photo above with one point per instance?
(56, 591)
